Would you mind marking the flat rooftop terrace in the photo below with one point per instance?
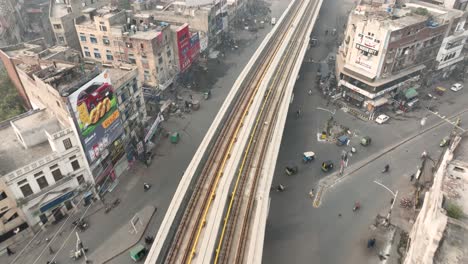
(12, 153)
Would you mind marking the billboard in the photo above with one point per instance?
(96, 115)
(188, 46)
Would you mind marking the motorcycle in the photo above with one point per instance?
(280, 188)
(356, 207)
(386, 169)
(146, 186)
(291, 170)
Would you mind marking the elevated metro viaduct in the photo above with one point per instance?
(293, 29)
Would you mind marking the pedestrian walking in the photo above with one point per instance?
(411, 177)
(191, 97)
(310, 91)
(298, 112)
(311, 194)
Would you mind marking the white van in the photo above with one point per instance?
(273, 21)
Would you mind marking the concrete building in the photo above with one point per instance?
(64, 90)
(12, 26)
(11, 217)
(62, 14)
(438, 235)
(42, 165)
(386, 51)
(113, 37)
(32, 51)
(209, 19)
(450, 4)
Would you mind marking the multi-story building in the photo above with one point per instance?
(209, 18)
(42, 165)
(112, 37)
(12, 26)
(62, 14)
(104, 107)
(387, 49)
(12, 218)
(32, 51)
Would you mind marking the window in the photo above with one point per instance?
(109, 57)
(83, 38)
(106, 41)
(87, 53)
(93, 39)
(26, 190)
(61, 39)
(72, 157)
(142, 46)
(129, 45)
(3, 195)
(67, 143)
(160, 60)
(168, 53)
(80, 179)
(58, 103)
(146, 75)
(102, 28)
(75, 165)
(42, 182)
(14, 216)
(57, 174)
(97, 55)
(57, 26)
(131, 58)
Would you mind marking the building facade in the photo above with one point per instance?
(47, 170)
(113, 37)
(386, 51)
(62, 14)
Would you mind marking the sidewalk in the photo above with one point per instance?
(123, 239)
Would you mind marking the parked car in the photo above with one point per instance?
(95, 94)
(382, 119)
(456, 87)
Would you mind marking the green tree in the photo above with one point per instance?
(10, 102)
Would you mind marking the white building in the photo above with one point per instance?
(43, 166)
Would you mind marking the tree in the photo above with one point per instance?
(10, 102)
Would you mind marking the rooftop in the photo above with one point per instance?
(58, 8)
(146, 35)
(12, 153)
(120, 76)
(105, 12)
(410, 13)
(26, 48)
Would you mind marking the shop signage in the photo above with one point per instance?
(372, 52)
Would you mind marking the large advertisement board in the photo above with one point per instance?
(96, 115)
(188, 46)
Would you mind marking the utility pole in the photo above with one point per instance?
(394, 194)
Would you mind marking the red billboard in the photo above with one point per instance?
(188, 46)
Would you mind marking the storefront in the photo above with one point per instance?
(353, 98)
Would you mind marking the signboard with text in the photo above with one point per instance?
(188, 46)
(96, 115)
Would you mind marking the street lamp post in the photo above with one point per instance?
(394, 194)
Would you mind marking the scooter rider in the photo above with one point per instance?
(146, 186)
(280, 188)
(386, 168)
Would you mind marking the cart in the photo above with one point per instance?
(308, 156)
(138, 252)
(343, 140)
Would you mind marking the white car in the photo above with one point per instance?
(382, 119)
(456, 87)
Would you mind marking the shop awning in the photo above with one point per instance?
(411, 93)
(355, 96)
(379, 102)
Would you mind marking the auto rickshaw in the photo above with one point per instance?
(308, 156)
(327, 166)
(365, 141)
(445, 141)
(138, 252)
(440, 90)
(343, 140)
